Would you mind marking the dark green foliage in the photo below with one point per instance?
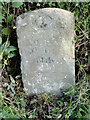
(5, 31)
(16, 4)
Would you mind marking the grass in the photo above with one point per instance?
(74, 104)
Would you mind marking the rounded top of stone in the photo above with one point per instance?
(46, 10)
(51, 9)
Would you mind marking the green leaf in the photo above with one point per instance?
(59, 116)
(1, 48)
(12, 79)
(6, 31)
(38, 4)
(10, 49)
(10, 18)
(50, 4)
(0, 40)
(10, 55)
(1, 19)
(25, 9)
(8, 44)
(0, 5)
(31, 116)
(4, 10)
(1, 66)
(17, 4)
(5, 62)
(69, 112)
(22, 101)
(85, 109)
(79, 114)
(53, 4)
(7, 1)
(49, 116)
(66, 116)
(1, 57)
(12, 116)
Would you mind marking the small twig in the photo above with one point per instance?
(13, 15)
(82, 44)
(28, 6)
(83, 32)
(79, 36)
(4, 47)
(11, 104)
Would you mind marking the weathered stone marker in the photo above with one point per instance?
(46, 45)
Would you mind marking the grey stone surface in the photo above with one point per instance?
(46, 46)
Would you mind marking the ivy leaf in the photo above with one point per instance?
(6, 31)
(10, 55)
(10, 49)
(10, 18)
(17, 4)
(0, 40)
